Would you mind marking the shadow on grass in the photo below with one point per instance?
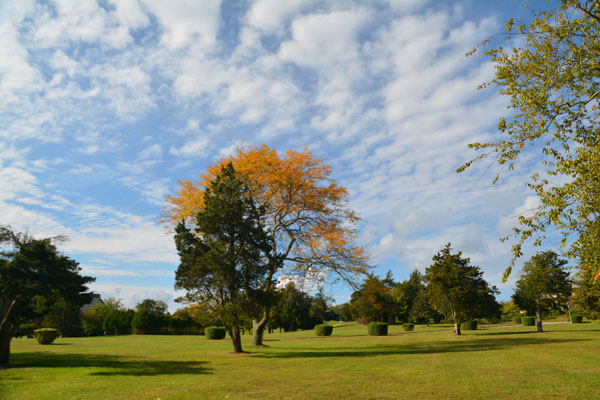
(114, 365)
(490, 344)
(502, 333)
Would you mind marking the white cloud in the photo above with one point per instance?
(131, 295)
(195, 147)
(186, 21)
(270, 16)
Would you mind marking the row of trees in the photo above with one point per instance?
(451, 289)
(454, 291)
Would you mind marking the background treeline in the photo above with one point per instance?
(377, 299)
(293, 309)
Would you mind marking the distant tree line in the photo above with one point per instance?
(293, 310)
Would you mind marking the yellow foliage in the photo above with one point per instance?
(305, 210)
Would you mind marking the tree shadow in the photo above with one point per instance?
(491, 344)
(502, 333)
(115, 365)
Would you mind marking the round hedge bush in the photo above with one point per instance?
(528, 321)
(516, 319)
(323, 330)
(46, 335)
(469, 325)
(576, 319)
(377, 329)
(214, 333)
(408, 326)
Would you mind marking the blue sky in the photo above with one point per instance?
(107, 105)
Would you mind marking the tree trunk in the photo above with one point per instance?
(456, 330)
(538, 314)
(5, 337)
(236, 339)
(258, 328)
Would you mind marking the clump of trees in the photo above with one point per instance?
(451, 290)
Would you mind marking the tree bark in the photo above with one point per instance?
(236, 339)
(258, 328)
(5, 337)
(456, 330)
(538, 314)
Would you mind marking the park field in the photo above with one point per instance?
(429, 363)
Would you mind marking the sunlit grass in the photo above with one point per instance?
(494, 362)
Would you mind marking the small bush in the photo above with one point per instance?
(377, 329)
(576, 319)
(46, 335)
(516, 319)
(469, 326)
(408, 326)
(323, 330)
(528, 321)
(214, 333)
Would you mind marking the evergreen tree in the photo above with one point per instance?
(543, 286)
(457, 289)
(223, 260)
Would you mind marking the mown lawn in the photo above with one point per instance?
(429, 363)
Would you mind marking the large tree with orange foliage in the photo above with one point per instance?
(305, 215)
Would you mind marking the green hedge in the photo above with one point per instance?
(516, 319)
(46, 335)
(323, 330)
(377, 329)
(408, 326)
(214, 333)
(576, 319)
(469, 325)
(528, 321)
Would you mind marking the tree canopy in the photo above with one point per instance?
(543, 286)
(34, 275)
(302, 210)
(457, 289)
(552, 78)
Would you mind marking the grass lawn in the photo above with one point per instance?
(493, 362)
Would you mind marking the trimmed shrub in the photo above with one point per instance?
(469, 325)
(576, 319)
(516, 319)
(323, 330)
(46, 335)
(377, 329)
(408, 326)
(214, 333)
(528, 321)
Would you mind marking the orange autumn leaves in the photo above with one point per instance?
(305, 211)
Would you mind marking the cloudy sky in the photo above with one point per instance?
(106, 105)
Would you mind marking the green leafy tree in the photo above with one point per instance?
(421, 311)
(118, 322)
(404, 294)
(223, 260)
(552, 79)
(543, 286)
(372, 301)
(457, 289)
(33, 269)
(149, 317)
(587, 294)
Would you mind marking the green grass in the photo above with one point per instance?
(493, 362)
